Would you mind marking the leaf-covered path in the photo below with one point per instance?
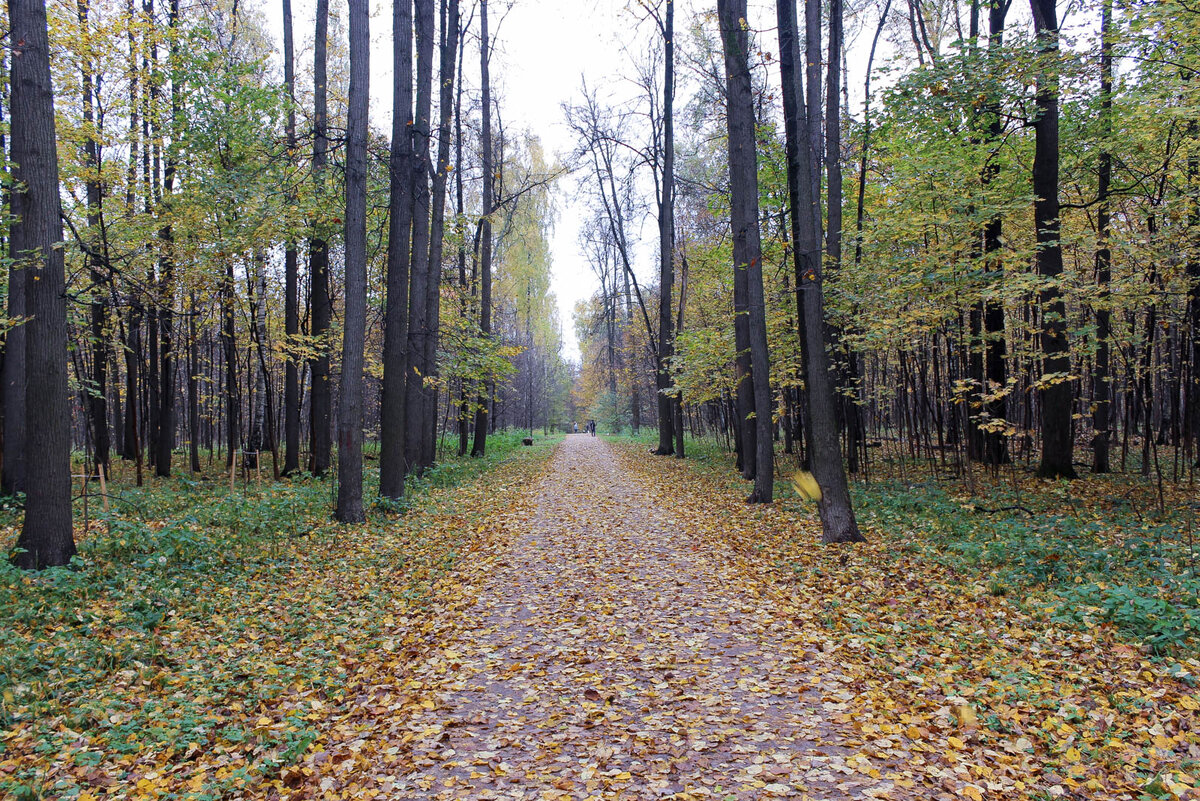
(611, 652)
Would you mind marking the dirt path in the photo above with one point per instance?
(612, 653)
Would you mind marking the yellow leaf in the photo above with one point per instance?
(972, 792)
(956, 743)
(1073, 755)
(965, 714)
(806, 486)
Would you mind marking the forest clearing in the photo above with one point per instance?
(664, 399)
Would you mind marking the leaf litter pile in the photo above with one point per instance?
(606, 625)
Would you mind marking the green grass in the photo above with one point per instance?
(190, 602)
(1093, 551)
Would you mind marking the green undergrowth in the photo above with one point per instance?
(1101, 550)
(1083, 551)
(190, 610)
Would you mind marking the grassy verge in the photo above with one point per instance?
(1025, 655)
(1099, 551)
(163, 660)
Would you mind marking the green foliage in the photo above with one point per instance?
(1103, 565)
(190, 603)
(610, 411)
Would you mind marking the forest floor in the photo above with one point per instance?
(586, 621)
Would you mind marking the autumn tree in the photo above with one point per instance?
(747, 251)
(47, 537)
(1058, 437)
(350, 395)
(838, 523)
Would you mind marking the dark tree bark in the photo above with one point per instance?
(820, 426)
(291, 291)
(392, 467)
(13, 475)
(46, 538)
(97, 394)
(449, 51)
(1101, 380)
(321, 403)
(848, 370)
(350, 391)
(4, 252)
(229, 343)
(989, 365)
(193, 387)
(812, 96)
(479, 447)
(1057, 430)
(464, 404)
(166, 316)
(133, 350)
(747, 250)
(418, 291)
(666, 240)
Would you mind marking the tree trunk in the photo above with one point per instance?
(747, 250)
(321, 403)
(820, 426)
(229, 343)
(1101, 380)
(392, 467)
(166, 316)
(350, 395)
(291, 290)
(666, 241)
(97, 394)
(415, 393)
(449, 50)
(479, 447)
(46, 538)
(1057, 429)
(193, 388)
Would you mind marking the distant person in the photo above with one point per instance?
(577, 428)
(591, 427)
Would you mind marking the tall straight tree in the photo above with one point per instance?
(418, 289)
(97, 399)
(825, 456)
(166, 316)
(1101, 380)
(46, 538)
(747, 248)
(291, 291)
(446, 95)
(666, 238)
(350, 391)
(392, 468)
(1058, 439)
(834, 187)
(988, 362)
(321, 405)
(479, 446)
